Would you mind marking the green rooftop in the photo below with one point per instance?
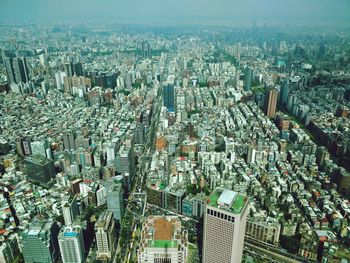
(162, 243)
(162, 186)
(237, 204)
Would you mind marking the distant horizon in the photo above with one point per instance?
(287, 12)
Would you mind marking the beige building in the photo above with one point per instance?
(263, 231)
(271, 103)
(105, 232)
(163, 240)
(224, 226)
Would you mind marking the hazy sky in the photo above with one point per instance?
(86, 10)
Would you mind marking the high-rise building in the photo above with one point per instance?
(78, 69)
(248, 76)
(114, 197)
(16, 69)
(322, 51)
(251, 154)
(199, 204)
(146, 50)
(71, 244)
(224, 226)
(173, 198)
(9, 69)
(21, 70)
(105, 231)
(69, 69)
(163, 239)
(40, 170)
(69, 140)
(26, 147)
(40, 147)
(69, 209)
(39, 242)
(168, 97)
(283, 99)
(126, 164)
(271, 103)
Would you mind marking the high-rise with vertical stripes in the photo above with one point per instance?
(224, 226)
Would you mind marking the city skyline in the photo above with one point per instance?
(174, 131)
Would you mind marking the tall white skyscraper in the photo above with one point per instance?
(105, 232)
(70, 240)
(224, 226)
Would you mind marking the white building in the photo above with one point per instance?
(69, 209)
(70, 240)
(224, 226)
(105, 232)
(265, 231)
(163, 240)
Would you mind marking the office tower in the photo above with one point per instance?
(199, 204)
(168, 97)
(78, 69)
(105, 231)
(322, 51)
(9, 69)
(67, 84)
(16, 69)
(251, 154)
(163, 239)
(39, 147)
(224, 226)
(69, 140)
(21, 70)
(39, 242)
(40, 170)
(129, 79)
(284, 92)
(26, 147)
(110, 153)
(271, 103)
(70, 240)
(248, 76)
(111, 80)
(69, 209)
(68, 69)
(115, 201)
(59, 77)
(126, 164)
(146, 50)
(139, 134)
(173, 198)
(43, 59)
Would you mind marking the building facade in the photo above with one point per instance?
(39, 242)
(224, 226)
(271, 103)
(105, 231)
(71, 244)
(163, 240)
(114, 197)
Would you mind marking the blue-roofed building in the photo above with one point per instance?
(71, 244)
